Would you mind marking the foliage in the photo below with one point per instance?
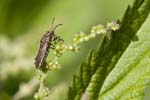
(60, 47)
(119, 69)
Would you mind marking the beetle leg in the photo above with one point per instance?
(57, 39)
(52, 46)
(54, 37)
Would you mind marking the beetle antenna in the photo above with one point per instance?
(57, 26)
(52, 23)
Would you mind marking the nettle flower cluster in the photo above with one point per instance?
(61, 47)
(80, 37)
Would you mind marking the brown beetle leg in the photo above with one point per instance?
(57, 39)
(52, 46)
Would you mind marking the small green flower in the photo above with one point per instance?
(78, 38)
(72, 47)
(37, 96)
(98, 29)
(43, 92)
(41, 77)
(113, 26)
(54, 65)
(59, 49)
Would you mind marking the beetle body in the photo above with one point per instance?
(45, 45)
(40, 59)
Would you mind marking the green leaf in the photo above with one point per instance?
(132, 72)
(81, 82)
(120, 66)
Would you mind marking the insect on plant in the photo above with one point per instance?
(48, 41)
(51, 41)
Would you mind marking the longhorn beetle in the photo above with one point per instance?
(45, 45)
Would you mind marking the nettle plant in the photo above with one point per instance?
(119, 69)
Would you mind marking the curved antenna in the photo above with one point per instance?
(57, 26)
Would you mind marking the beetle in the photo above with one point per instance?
(45, 45)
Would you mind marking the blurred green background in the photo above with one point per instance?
(22, 24)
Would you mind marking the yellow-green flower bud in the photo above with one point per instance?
(113, 26)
